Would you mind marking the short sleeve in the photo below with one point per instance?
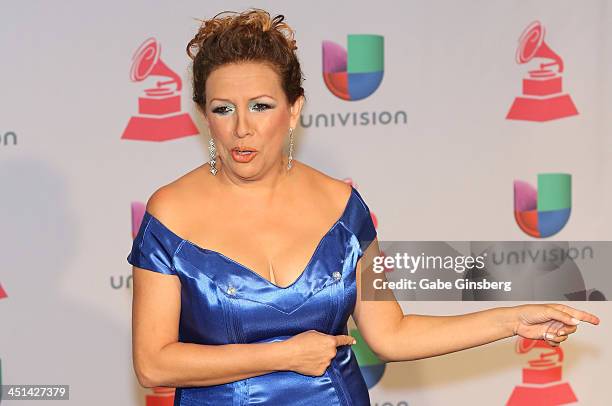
(152, 249)
(363, 224)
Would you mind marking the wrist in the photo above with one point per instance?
(508, 320)
(284, 355)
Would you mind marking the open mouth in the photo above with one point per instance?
(244, 152)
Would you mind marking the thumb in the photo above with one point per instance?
(344, 340)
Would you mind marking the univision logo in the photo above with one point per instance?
(8, 138)
(356, 72)
(353, 74)
(544, 211)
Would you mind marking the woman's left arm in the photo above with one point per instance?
(393, 336)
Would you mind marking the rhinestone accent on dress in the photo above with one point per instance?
(336, 275)
(231, 290)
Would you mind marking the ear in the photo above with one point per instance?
(295, 111)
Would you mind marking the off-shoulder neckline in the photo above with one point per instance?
(248, 269)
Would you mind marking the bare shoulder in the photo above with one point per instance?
(169, 202)
(334, 191)
(163, 202)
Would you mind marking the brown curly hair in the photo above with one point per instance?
(248, 36)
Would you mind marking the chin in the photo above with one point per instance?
(246, 170)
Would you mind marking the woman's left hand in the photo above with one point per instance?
(552, 322)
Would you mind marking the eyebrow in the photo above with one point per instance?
(252, 98)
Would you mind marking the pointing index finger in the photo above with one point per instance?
(579, 315)
(345, 340)
(585, 316)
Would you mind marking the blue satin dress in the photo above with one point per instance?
(225, 302)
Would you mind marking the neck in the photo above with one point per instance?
(264, 183)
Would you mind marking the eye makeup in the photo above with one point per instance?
(260, 106)
(226, 109)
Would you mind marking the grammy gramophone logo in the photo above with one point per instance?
(543, 98)
(160, 396)
(543, 382)
(3, 294)
(159, 115)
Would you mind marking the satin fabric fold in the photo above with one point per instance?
(224, 302)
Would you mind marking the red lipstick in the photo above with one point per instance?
(243, 154)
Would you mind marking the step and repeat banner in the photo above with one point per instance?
(455, 120)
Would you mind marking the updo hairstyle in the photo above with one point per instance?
(231, 37)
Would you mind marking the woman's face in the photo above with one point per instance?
(246, 109)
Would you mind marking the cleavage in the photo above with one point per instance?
(280, 262)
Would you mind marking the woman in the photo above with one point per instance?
(258, 257)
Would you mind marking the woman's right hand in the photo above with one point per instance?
(311, 352)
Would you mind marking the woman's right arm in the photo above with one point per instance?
(161, 360)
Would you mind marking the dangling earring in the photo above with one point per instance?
(290, 161)
(212, 152)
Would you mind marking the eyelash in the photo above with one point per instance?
(223, 110)
(266, 105)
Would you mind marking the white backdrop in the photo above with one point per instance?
(67, 178)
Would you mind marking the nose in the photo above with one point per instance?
(243, 127)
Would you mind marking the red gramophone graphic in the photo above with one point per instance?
(162, 396)
(542, 383)
(542, 98)
(3, 294)
(159, 110)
